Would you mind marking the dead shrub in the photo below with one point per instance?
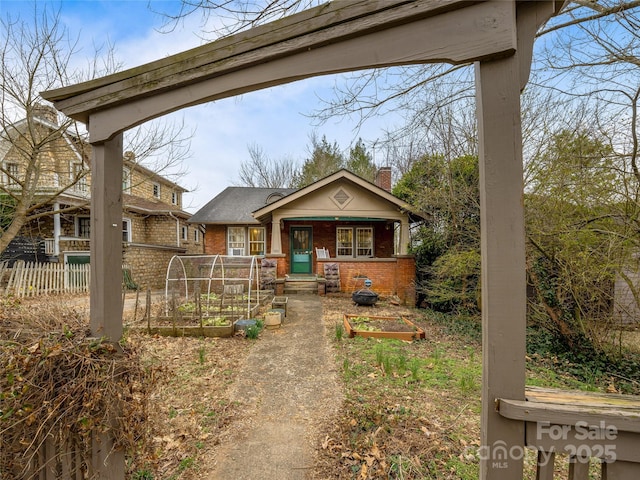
(60, 387)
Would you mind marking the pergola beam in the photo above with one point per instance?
(354, 39)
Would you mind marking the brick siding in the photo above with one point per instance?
(392, 276)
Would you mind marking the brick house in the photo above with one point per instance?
(356, 227)
(154, 226)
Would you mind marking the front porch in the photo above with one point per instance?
(393, 276)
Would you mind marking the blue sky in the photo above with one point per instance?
(274, 119)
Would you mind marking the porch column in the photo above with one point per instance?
(56, 229)
(276, 239)
(106, 239)
(404, 237)
(503, 263)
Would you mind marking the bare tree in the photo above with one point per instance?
(232, 16)
(38, 55)
(262, 171)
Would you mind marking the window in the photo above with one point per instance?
(235, 241)
(11, 175)
(257, 244)
(83, 227)
(156, 190)
(79, 177)
(344, 240)
(196, 235)
(126, 180)
(364, 242)
(354, 242)
(175, 198)
(184, 233)
(126, 230)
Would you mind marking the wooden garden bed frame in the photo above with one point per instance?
(416, 334)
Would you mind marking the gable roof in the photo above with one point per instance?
(150, 207)
(20, 128)
(266, 210)
(234, 205)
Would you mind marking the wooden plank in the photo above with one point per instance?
(451, 36)
(621, 471)
(606, 445)
(577, 397)
(578, 468)
(567, 414)
(320, 18)
(545, 465)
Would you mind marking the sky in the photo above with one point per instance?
(275, 119)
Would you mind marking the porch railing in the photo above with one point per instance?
(49, 246)
(581, 425)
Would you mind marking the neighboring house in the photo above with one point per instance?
(342, 220)
(154, 226)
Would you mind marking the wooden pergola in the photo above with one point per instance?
(338, 37)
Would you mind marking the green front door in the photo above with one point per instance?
(301, 250)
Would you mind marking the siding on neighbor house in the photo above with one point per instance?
(155, 237)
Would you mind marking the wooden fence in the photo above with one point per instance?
(31, 279)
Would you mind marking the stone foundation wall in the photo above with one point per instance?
(149, 264)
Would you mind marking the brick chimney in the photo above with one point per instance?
(46, 113)
(383, 178)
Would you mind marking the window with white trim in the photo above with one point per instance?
(235, 241)
(344, 242)
(184, 235)
(354, 241)
(126, 230)
(196, 235)
(83, 227)
(175, 198)
(12, 170)
(257, 241)
(156, 190)
(79, 177)
(364, 242)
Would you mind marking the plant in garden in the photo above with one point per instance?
(338, 330)
(253, 331)
(414, 368)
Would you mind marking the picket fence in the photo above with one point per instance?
(29, 279)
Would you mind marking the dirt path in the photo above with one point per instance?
(287, 389)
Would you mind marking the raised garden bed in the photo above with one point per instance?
(382, 327)
(187, 330)
(189, 327)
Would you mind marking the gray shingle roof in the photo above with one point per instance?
(234, 205)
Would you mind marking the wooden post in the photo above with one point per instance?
(106, 277)
(106, 240)
(503, 263)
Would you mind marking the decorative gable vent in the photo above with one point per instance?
(341, 198)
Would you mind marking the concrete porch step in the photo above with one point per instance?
(301, 285)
